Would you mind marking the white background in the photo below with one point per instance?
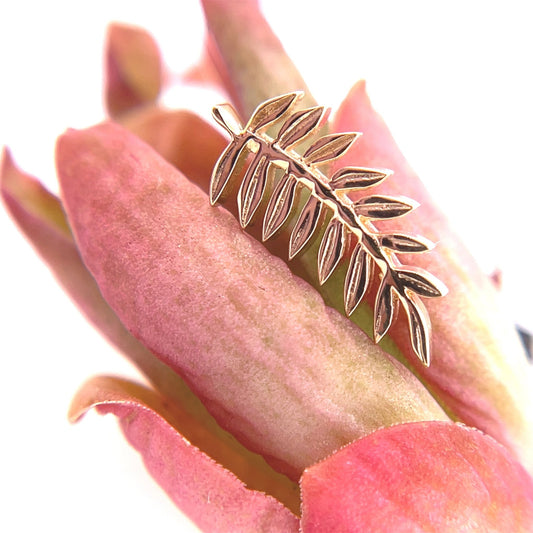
(454, 82)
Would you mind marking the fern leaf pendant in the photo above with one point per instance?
(349, 232)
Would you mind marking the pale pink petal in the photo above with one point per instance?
(478, 368)
(213, 497)
(133, 69)
(422, 477)
(249, 57)
(288, 376)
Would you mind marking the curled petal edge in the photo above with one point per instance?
(212, 496)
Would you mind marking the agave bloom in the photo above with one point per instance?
(268, 409)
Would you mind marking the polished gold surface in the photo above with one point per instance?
(254, 156)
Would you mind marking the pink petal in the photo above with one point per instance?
(39, 215)
(427, 476)
(288, 376)
(181, 137)
(133, 68)
(478, 367)
(213, 497)
(248, 55)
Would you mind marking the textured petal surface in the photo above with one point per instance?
(249, 56)
(133, 69)
(209, 494)
(478, 367)
(422, 477)
(290, 377)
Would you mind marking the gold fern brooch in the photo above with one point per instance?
(253, 156)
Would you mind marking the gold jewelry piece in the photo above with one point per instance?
(349, 220)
